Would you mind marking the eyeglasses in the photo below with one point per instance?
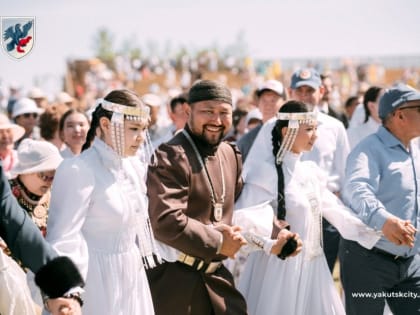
(27, 115)
(44, 177)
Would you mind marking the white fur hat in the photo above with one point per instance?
(36, 156)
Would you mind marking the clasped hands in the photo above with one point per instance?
(233, 240)
(399, 232)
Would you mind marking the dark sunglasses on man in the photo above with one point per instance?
(28, 115)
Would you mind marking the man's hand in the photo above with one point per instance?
(232, 239)
(399, 232)
(282, 238)
(63, 306)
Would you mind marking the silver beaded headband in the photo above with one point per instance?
(305, 117)
(119, 113)
(131, 112)
(295, 119)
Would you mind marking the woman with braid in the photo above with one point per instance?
(101, 222)
(273, 172)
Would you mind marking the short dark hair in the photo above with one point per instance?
(350, 101)
(50, 119)
(180, 99)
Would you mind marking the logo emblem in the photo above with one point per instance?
(17, 35)
(305, 74)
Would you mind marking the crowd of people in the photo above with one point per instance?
(205, 203)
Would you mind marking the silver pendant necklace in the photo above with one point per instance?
(217, 206)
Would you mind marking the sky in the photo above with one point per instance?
(271, 28)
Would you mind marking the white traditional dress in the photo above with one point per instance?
(301, 284)
(98, 217)
(15, 297)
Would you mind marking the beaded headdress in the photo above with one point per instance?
(120, 113)
(295, 119)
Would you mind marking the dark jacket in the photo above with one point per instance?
(20, 233)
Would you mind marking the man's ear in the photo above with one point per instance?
(322, 90)
(188, 110)
(290, 91)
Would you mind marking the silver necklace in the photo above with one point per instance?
(217, 206)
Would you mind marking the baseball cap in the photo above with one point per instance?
(395, 97)
(307, 76)
(271, 85)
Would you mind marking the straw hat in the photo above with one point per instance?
(36, 156)
(17, 130)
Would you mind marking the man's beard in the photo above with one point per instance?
(205, 140)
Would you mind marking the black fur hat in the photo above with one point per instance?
(58, 276)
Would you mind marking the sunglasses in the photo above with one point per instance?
(44, 177)
(28, 115)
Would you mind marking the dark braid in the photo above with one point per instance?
(94, 124)
(277, 139)
(124, 97)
